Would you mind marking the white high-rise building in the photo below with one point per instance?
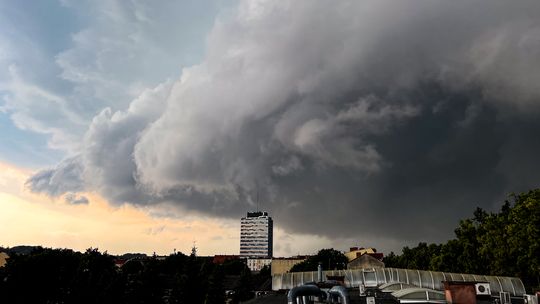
(256, 235)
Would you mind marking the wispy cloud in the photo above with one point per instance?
(75, 199)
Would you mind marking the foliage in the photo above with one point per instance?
(234, 266)
(506, 243)
(64, 276)
(48, 274)
(329, 258)
(216, 292)
(243, 290)
(265, 271)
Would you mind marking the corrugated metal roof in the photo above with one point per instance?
(393, 286)
(418, 278)
(419, 294)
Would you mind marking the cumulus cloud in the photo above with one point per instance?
(108, 147)
(396, 117)
(64, 178)
(112, 53)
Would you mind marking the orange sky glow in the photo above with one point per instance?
(31, 219)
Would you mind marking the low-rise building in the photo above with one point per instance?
(364, 262)
(284, 265)
(256, 264)
(221, 258)
(3, 258)
(355, 252)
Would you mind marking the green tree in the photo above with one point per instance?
(215, 293)
(243, 290)
(94, 278)
(523, 237)
(265, 271)
(392, 260)
(47, 273)
(419, 257)
(190, 285)
(329, 258)
(506, 243)
(234, 267)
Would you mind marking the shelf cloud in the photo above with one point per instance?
(346, 119)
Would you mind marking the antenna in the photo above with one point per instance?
(257, 199)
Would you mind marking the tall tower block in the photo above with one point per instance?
(256, 235)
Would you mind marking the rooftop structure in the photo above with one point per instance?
(420, 278)
(365, 261)
(355, 252)
(222, 258)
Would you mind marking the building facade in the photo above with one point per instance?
(284, 265)
(256, 264)
(355, 252)
(222, 258)
(256, 235)
(365, 261)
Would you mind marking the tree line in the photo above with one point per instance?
(328, 258)
(504, 243)
(65, 276)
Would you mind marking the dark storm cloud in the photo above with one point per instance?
(370, 117)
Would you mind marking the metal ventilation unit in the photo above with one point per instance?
(482, 289)
(504, 298)
(530, 299)
(370, 278)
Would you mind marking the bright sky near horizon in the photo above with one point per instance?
(45, 47)
(33, 35)
(33, 219)
(137, 126)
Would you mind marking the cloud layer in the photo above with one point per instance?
(352, 119)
